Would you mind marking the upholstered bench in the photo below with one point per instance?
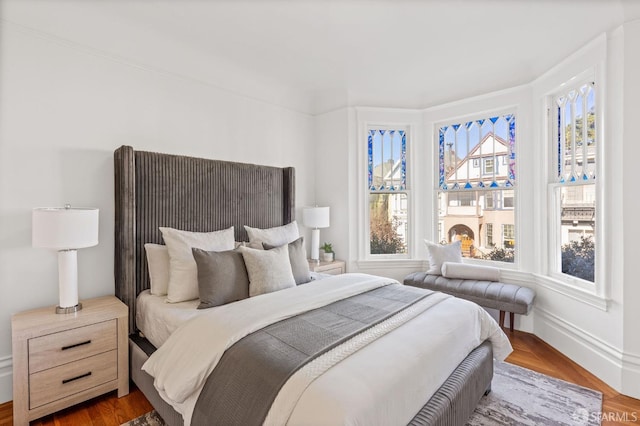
(510, 298)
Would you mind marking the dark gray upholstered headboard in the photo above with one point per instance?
(195, 194)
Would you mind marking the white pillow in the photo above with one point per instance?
(438, 254)
(276, 236)
(183, 271)
(158, 263)
(465, 271)
(268, 270)
(257, 246)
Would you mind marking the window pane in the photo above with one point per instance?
(488, 166)
(477, 218)
(476, 181)
(576, 141)
(577, 227)
(388, 223)
(478, 154)
(387, 160)
(507, 199)
(508, 236)
(574, 130)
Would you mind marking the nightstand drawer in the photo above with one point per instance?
(59, 382)
(334, 271)
(335, 267)
(71, 345)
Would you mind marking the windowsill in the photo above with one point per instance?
(511, 266)
(572, 291)
(392, 263)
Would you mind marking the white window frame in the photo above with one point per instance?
(554, 239)
(471, 117)
(485, 161)
(504, 228)
(489, 205)
(365, 247)
(489, 226)
(503, 198)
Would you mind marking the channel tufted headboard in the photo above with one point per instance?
(195, 194)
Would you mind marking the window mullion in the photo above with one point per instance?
(391, 180)
(585, 141)
(493, 131)
(480, 163)
(572, 108)
(562, 149)
(455, 153)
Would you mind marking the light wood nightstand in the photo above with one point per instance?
(336, 267)
(60, 360)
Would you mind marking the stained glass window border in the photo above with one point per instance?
(509, 182)
(559, 101)
(371, 133)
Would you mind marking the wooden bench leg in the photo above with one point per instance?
(511, 316)
(501, 319)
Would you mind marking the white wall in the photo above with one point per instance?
(631, 209)
(332, 177)
(64, 109)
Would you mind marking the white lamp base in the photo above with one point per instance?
(315, 245)
(68, 282)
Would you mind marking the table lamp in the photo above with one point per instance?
(315, 217)
(66, 230)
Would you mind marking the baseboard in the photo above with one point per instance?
(631, 375)
(6, 379)
(619, 370)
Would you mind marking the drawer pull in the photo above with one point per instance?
(64, 348)
(65, 381)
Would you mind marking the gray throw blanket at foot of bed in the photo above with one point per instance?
(246, 381)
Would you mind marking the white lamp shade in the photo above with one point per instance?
(64, 228)
(316, 217)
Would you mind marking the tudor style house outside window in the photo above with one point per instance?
(388, 193)
(477, 178)
(572, 187)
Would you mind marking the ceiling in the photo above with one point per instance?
(402, 53)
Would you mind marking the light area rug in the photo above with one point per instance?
(518, 397)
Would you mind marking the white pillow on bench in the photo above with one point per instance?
(470, 272)
(441, 253)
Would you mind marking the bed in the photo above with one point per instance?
(155, 189)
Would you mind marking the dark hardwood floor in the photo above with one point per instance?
(529, 352)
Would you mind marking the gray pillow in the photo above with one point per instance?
(222, 277)
(183, 276)
(298, 260)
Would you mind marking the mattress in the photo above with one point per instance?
(156, 319)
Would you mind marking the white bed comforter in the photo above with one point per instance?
(410, 361)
